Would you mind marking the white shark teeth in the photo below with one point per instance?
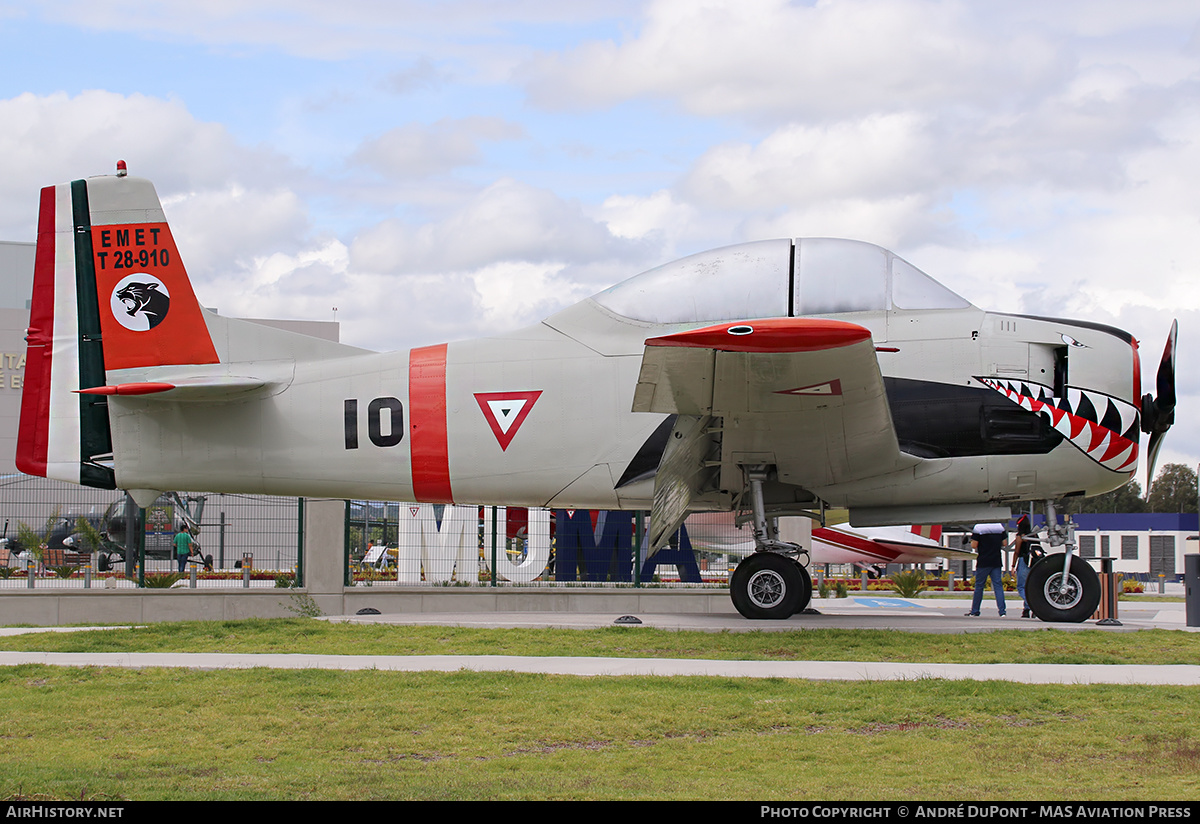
(1102, 427)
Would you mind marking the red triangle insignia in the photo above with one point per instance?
(506, 411)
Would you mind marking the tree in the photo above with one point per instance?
(1127, 498)
(1174, 490)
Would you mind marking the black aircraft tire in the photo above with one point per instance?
(767, 586)
(1074, 606)
(806, 590)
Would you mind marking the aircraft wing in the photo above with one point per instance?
(847, 545)
(804, 394)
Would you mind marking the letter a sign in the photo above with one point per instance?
(505, 412)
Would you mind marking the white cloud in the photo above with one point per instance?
(216, 227)
(880, 155)
(718, 57)
(59, 138)
(415, 150)
(506, 221)
(327, 31)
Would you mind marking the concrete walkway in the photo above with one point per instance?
(939, 616)
(811, 670)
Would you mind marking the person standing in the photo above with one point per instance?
(988, 541)
(183, 547)
(1021, 559)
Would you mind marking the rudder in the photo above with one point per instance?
(109, 293)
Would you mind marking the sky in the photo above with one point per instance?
(431, 171)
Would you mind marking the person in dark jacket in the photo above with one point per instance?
(988, 541)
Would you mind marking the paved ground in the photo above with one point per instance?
(913, 615)
(867, 613)
(814, 670)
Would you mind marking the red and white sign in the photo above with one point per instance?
(506, 411)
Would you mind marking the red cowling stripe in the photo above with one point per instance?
(430, 445)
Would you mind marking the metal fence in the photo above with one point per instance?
(232, 527)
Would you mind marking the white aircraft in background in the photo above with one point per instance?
(777, 378)
(832, 544)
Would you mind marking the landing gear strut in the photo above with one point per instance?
(1062, 587)
(771, 584)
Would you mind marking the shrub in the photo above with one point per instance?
(162, 580)
(909, 584)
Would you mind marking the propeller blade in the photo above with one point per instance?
(1166, 372)
(1152, 448)
(1159, 413)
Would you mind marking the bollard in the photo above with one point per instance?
(1162, 584)
(192, 576)
(1191, 588)
(1106, 612)
(30, 571)
(87, 572)
(247, 563)
(950, 581)
(864, 580)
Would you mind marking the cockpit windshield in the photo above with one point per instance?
(777, 278)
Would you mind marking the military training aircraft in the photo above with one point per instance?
(774, 378)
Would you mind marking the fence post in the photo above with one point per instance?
(348, 578)
(141, 545)
(639, 534)
(299, 542)
(494, 575)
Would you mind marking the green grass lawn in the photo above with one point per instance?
(302, 635)
(262, 734)
(268, 734)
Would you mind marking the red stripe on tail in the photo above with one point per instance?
(34, 433)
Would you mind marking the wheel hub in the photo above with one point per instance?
(766, 588)
(1063, 595)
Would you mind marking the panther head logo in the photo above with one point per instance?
(140, 302)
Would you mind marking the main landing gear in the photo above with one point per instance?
(771, 584)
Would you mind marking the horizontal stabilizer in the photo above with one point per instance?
(185, 389)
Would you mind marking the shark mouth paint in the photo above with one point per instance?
(1102, 427)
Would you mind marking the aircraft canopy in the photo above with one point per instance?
(753, 280)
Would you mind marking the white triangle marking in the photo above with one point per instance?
(506, 412)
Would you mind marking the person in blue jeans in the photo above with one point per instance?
(183, 547)
(988, 541)
(1022, 559)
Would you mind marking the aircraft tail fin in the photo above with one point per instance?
(931, 531)
(109, 293)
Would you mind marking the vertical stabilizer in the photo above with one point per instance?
(109, 293)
